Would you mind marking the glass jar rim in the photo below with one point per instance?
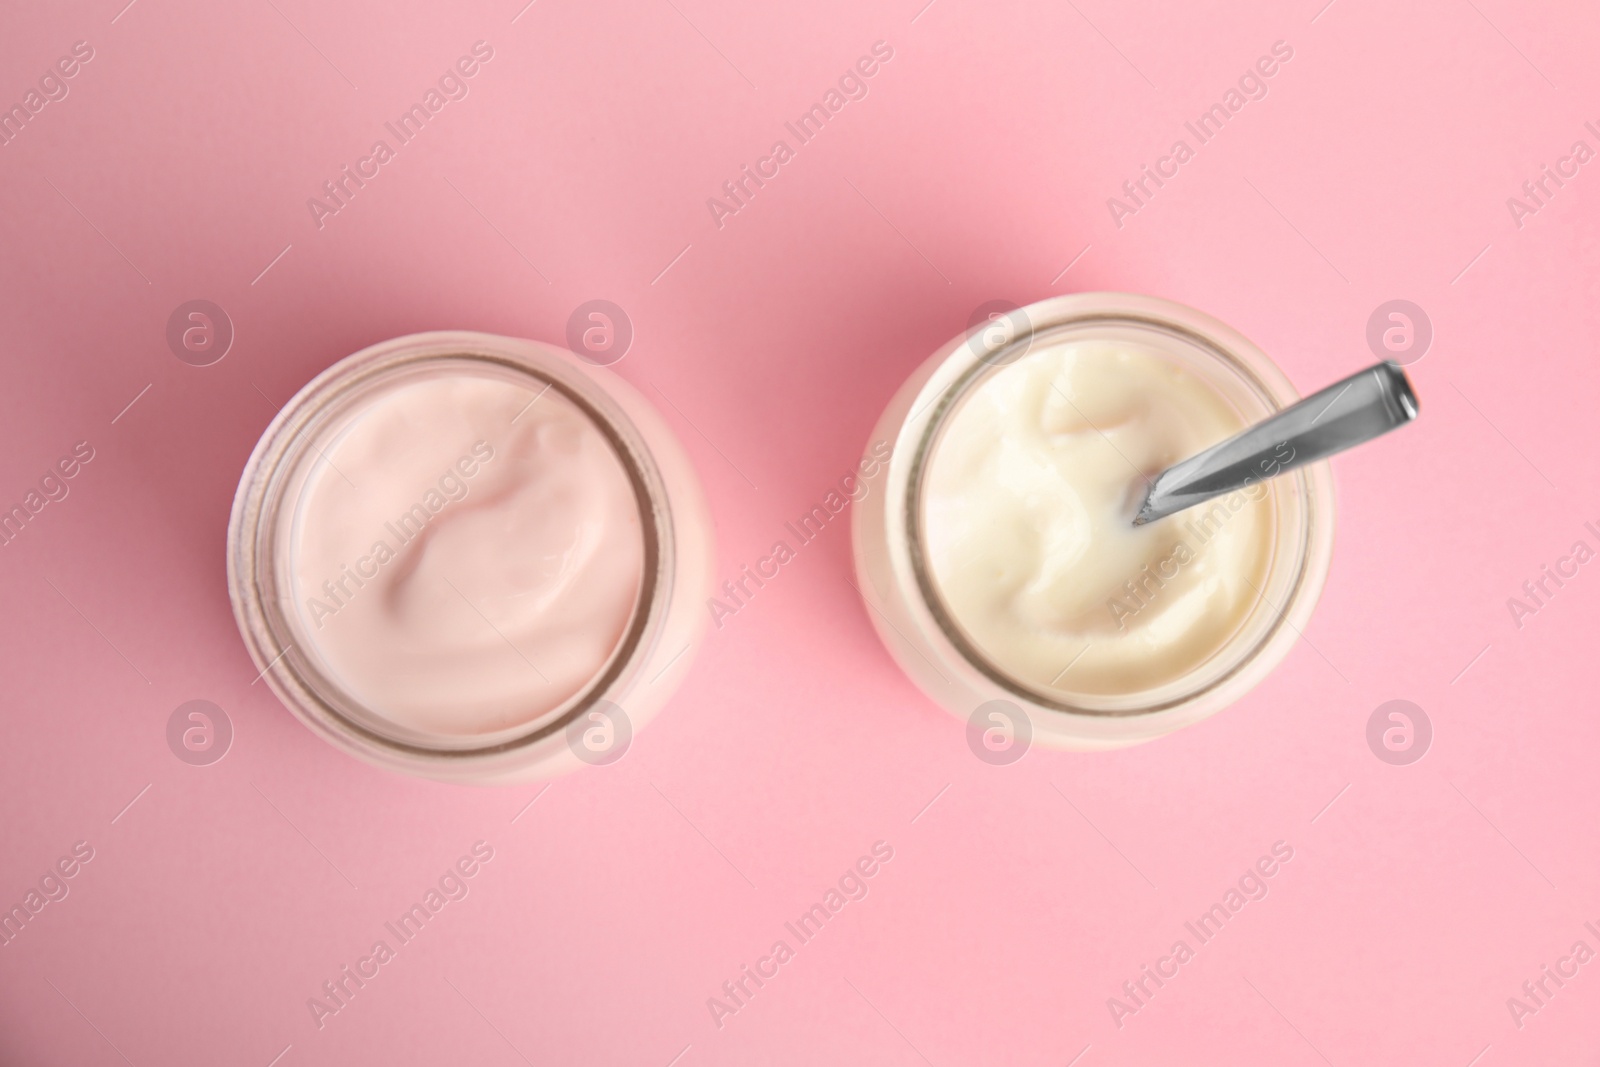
(1113, 310)
(300, 684)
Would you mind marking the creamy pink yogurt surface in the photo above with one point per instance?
(466, 554)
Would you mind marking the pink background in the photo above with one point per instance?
(977, 168)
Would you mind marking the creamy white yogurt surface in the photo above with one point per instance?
(1027, 507)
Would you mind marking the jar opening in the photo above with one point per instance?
(293, 460)
(1284, 569)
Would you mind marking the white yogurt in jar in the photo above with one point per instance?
(1028, 503)
(996, 552)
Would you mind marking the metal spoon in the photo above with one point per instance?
(1345, 414)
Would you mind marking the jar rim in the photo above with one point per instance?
(1043, 323)
(253, 588)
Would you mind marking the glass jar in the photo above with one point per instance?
(593, 724)
(930, 644)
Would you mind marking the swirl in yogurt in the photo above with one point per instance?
(467, 555)
(1027, 508)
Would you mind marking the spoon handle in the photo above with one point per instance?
(1359, 408)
